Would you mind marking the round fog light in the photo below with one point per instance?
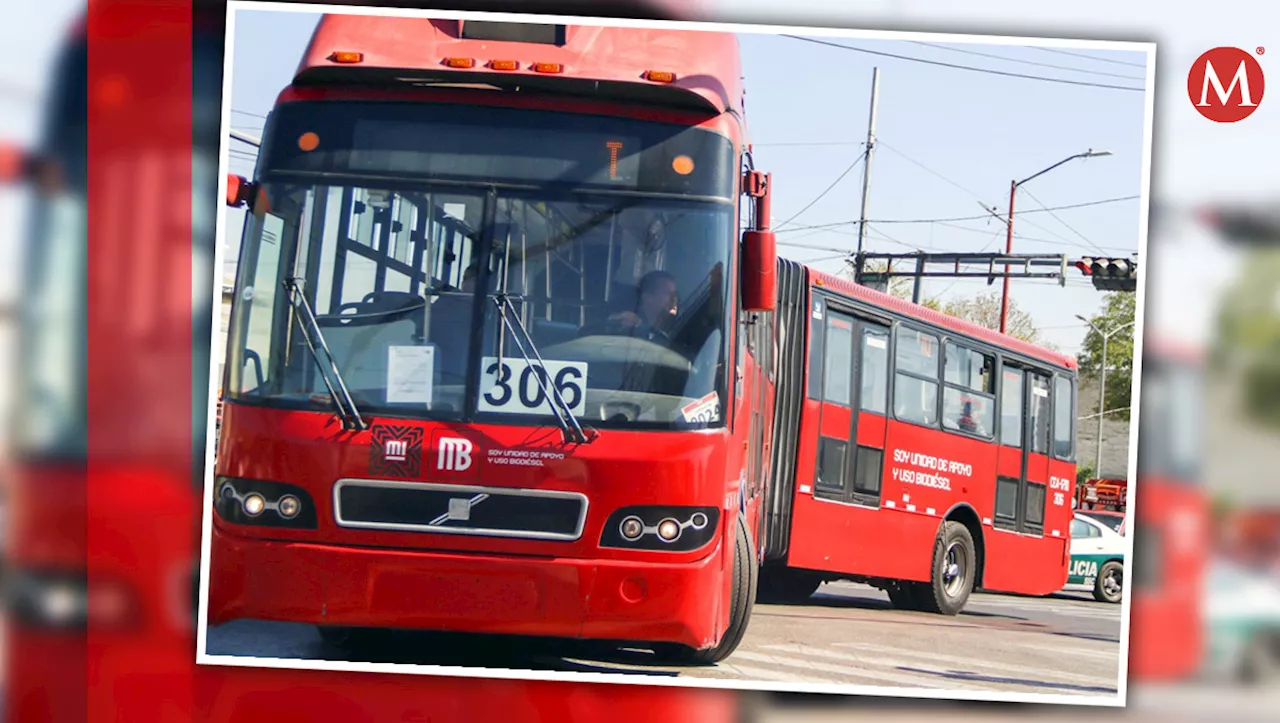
(254, 505)
(669, 530)
(289, 507)
(632, 528)
(698, 520)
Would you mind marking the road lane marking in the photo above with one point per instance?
(899, 679)
(1008, 668)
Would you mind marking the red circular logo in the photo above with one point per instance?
(1226, 84)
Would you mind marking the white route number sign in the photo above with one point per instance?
(512, 387)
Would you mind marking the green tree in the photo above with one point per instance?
(1118, 310)
(984, 310)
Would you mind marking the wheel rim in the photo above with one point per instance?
(1112, 584)
(955, 567)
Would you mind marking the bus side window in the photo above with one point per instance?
(1011, 407)
(915, 385)
(1063, 415)
(968, 395)
(1039, 418)
(837, 370)
(875, 370)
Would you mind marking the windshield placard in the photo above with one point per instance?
(512, 386)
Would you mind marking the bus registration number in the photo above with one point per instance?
(515, 386)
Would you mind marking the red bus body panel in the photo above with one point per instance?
(894, 540)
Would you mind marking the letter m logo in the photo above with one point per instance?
(1226, 84)
(454, 454)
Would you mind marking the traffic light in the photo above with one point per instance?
(1110, 274)
(1244, 225)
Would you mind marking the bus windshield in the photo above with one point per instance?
(1172, 415)
(434, 281)
(52, 420)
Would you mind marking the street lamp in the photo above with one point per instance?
(1102, 385)
(1008, 244)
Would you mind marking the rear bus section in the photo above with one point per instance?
(913, 451)
(482, 365)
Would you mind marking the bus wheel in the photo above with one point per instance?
(953, 571)
(745, 583)
(1109, 586)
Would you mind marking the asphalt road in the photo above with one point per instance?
(845, 634)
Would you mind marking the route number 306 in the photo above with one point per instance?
(515, 386)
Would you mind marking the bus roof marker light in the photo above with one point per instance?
(308, 141)
(346, 57)
(548, 68)
(682, 165)
(659, 76)
(460, 62)
(504, 64)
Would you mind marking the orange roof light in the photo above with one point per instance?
(659, 76)
(346, 56)
(548, 67)
(460, 62)
(504, 64)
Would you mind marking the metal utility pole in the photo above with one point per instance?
(1008, 244)
(866, 165)
(1102, 387)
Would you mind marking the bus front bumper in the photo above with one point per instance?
(562, 598)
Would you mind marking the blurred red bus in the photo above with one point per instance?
(121, 607)
(1170, 528)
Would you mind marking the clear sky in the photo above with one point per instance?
(948, 140)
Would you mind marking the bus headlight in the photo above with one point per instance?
(660, 527)
(264, 503)
(65, 600)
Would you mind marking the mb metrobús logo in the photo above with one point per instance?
(1225, 84)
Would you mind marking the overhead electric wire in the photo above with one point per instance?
(972, 68)
(1008, 59)
(861, 157)
(1087, 56)
(1064, 223)
(966, 218)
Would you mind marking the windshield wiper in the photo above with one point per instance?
(347, 411)
(563, 413)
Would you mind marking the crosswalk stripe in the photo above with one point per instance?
(1011, 669)
(847, 672)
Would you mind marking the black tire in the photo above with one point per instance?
(954, 567)
(784, 585)
(746, 576)
(1109, 587)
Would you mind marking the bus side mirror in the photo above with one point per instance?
(240, 192)
(759, 271)
(15, 164)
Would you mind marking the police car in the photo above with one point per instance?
(1097, 559)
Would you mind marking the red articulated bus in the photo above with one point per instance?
(1171, 520)
(913, 451)
(486, 362)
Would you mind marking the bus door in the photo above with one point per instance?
(1023, 465)
(855, 377)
